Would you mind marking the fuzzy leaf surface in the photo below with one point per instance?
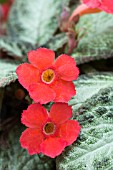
(89, 85)
(57, 41)
(32, 24)
(96, 37)
(35, 21)
(7, 72)
(14, 47)
(94, 148)
(16, 158)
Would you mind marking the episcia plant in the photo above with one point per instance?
(73, 126)
(48, 80)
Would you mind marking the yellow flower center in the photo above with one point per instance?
(48, 76)
(49, 128)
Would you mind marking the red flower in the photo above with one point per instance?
(47, 80)
(104, 5)
(48, 133)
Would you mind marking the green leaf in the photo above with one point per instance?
(32, 24)
(7, 72)
(19, 49)
(14, 47)
(17, 158)
(57, 41)
(94, 148)
(35, 21)
(89, 85)
(96, 37)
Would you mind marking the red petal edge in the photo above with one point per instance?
(41, 93)
(27, 74)
(41, 58)
(31, 140)
(60, 112)
(35, 116)
(64, 91)
(69, 131)
(52, 146)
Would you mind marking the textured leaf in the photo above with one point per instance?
(28, 29)
(7, 72)
(18, 48)
(97, 37)
(14, 47)
(89, 85)
(16, 158)
(35, 21)
(94, 148)
(57, 41)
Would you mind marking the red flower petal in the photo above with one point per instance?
(27, 74)
(68, 72)
(69, 131)
(41, 93)
(60, 112)
(35, 116)
(52, 147)
(64, 91)
(42, 58)
(64, 59)
(105, 5)
(31, 140)
(92, 3)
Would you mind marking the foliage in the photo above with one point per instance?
(29, 26)
(95, 40)
(89, 85)
(19, 158)
(36, 23)
(94, 148)
(7, 72)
